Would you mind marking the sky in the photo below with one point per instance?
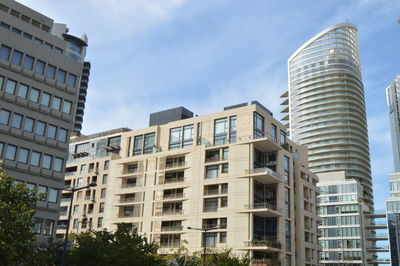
(151, 55)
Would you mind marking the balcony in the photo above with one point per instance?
(70, 173)
(215, 192)
(378, 249)
(172, 180)
(264, 209)
(171, 228)
(213, 159)
(266, 171)
(262, 244)
(65, 199)
(174, 196)
(172, 212)
(175, 165)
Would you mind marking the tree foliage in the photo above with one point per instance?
(122, 247)
(17, 207)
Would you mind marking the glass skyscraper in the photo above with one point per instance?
(392, 95)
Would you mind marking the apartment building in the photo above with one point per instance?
(39, 82)
(392, 96)
(234, 172)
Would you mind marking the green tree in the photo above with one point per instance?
(17, 207)
(122, 247)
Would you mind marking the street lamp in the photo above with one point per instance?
(205, 230)
(73, 190)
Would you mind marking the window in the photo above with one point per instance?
(212, 172)
(5, 52)
(225, 154)
(282, 138)
(105, 179)
(17, 31)
(288, 244)
(225, 168)
(1, 148)
(67, 107)
(46, 164)
(40, 128)
(149, 140)
(4, 117)
(273, 131)
(23, 155)
(34, 95)
(10, 86)
(48, 45)
(45, 100)
(224, 202)
(106, 165)
(10, 152)
(175, 138)
(71, 80)
(220, 131)
(28, 36)
(211, 205)
(22, 91)
(210, 239)
(101, 207)
(51, 71)
(28, 62)
(103, 193)
(138, 145)
(1, 82)
(58, 164)
(56, 103)
(16, 57)
(42, 190)
(51, 132)
(286, 168)
(39, 67)
(16, 121)
(48, 227)
(35, 158)
(99, 222)
(53, 195)
(36, 24)
(222, 237)
(232, 129)
(37, 226)
(5, 25)
(58, 50)
(188, 132)
(62, 135)
(258, 126)
(75, 224)
(61, 75)
(28, 124)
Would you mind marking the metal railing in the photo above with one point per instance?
(171, 228)
(171, 212)
(262, 170)
(174, 196)
(261, 205)
(175, 165)
(173, 180)
(272, 243)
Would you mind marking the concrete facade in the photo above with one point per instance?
(38, 96)
(227, 169)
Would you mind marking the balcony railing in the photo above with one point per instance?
(172, 180)
(174, 196)
(129, 185)
(65, 199)
(171, 228)
(213, 159)
(175, 165)
(264, 243)
(261, 205)
(264, 170)
(172, 212)
(70, 173)
(214, 192)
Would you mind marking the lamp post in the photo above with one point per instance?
(205, 230)
(73, 190)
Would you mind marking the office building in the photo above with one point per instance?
(234, 170)
(325, 108)
(392, 96)
(393, 217)
(39, 83)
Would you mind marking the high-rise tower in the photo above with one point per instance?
(326, 104)
(392, 95)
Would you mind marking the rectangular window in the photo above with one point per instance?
(1, 82)
(149, 140)
(56, 103)
(220, 131)
(23, 155)
(138, 145)
(210, 239)
(103, 193)
(225, 168)
(48, 45)
(286, 168)
(35, 158)
(4, 117)
(211, 205)
(67, 107)
(34, 95)
(10, 86)
(273, 131)
(48, 227)
(22, 91)
(61, 75)
(282, 138)
(101, 207)
(45, 99)
(37, 226)
(5, 25)
(39, 67)
(10, 152)
(212, 172)
(58, 50)
(46, 164)
(188, 132)
(51, 132)
(42, 190)
(53, 195)
(40, 128)
(106, 165)
(258, 126)
(28, 124)
(17, 31)
(222, 237)
(58, 164)
(287, 202)
(71, 80)
(288, 242)
(232, 129)
(51, 71)
(1, 148)
(16, 57)
(105, 179)
(28, 62)
(62, 135)
(5, 52)
(99, 222)
(175, 138)
(28, 36)
(16, 121)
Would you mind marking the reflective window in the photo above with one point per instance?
(16, 57)
(71, 80)
(212, 172)
(28, 124)
(28, 36)
(22, 91)
(258, 126)
(4, 117)
(273, 131)
(61, 75)
(56, 103)
(1, 82)
(16, 121)
(5, 52)
(40, 128)
(53, 194)
(34, 95)
(10, 152)
(138, 145)
(175, 138)
(23, 155)
(48, 227)
(58, 164)
(10, 86)
(74, 47)
(149, 140)
(220, 131)
(67, 107)
(35, 158)
(46, 163)
(45, 100)
(1, 148)
(51, 132)
(51, 71)
(62, 135)
(42, 190)
(39, 67)
(232, 129)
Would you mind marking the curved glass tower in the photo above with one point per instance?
(326, 105)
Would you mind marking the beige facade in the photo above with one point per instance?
(234, 170)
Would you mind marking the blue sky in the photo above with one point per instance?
(150, 55)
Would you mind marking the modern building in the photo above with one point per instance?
(392, 96)
(234, 171)
(39, 84)
(326, 109)
(393, 218)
